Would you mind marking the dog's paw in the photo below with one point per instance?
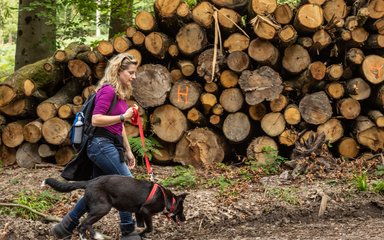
(43, 183)
(82, 237)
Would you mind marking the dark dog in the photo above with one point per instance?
(125, 194)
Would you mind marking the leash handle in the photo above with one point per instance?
(137, 121)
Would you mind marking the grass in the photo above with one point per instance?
(288, 195)
(7, 60)
(183, 177)
(361, 181)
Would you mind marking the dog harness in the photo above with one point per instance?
(165, 211)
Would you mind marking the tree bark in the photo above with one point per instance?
(32, 131)
(27, 155)
(55, 131)
(12, 134)
(332, 129)
(315, 108)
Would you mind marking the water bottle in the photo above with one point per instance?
(78, 131)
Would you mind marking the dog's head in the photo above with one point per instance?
(178, 213)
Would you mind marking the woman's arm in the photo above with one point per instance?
(131, 157)
(100, 120)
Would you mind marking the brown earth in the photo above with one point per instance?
(265, 208)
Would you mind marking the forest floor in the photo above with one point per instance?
(221, 205)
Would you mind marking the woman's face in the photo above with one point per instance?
(128, 75)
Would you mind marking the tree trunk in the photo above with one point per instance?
(238, 61)
(152, 85)
(157, 44)
(145, 21)
(283, 14)
(263, 52)
(308, 18)
(349, 108)
(228, 79)
(335, 90)
(348, 147)
(208, 100)
(168, 123)
(236, 42)
(231, 99)
(121, 44)
(205, 63)
(257, 111)
(33, 27)
(46, 150)
(12, 134)
(202, 14)
(7, 155)
(79, 69)
(296, 59)
(278, 104)
(332, 129)
(377, 117)
(191, 39)
(373, 138)
(358, 89)
(373, 68)
(70, 52)
(334, 9)
(196, 117)
(23, 107)
(288, 137)
(64, 155)
(292, 114)
(200, 148)
(287, 35)
(120, 16)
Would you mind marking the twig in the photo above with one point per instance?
(46, 217)
(324, 201)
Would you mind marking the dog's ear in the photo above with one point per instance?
(182, 196)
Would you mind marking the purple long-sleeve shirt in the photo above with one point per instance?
(104, 99)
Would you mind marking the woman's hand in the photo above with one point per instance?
(129, 113)
(131, 159)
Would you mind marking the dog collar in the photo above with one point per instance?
(165, 211)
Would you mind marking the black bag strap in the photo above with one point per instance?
(113, 104)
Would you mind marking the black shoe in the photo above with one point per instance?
(64, 229)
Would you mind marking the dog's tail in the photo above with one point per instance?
(65, 186)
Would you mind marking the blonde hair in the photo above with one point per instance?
(116, 65)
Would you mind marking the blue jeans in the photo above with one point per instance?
(103, 153)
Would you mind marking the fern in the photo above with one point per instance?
(151, 146)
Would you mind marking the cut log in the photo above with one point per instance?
(208, 100)
(257, 112)
(377, 117)
(335, 90)
(130, 31)
(283, 14)
(228, 79)
(90, 57)
(205, 65)
(260, 150)
(335, 72)
(176, 75)
(200, 148)
(231, 99)
(184, 12)
(211, 87)
(216, 121)
(238, 61)
(64, 155)
(334, 9)
(157, 44)
(355, 56)
(373, 69)
(218, 109)
(287, 35)
(43, 74)
(358, 89)
(168, 123)
(262, 7)
(228, 19)
(232, 4)
(321, 39)
(361, 124)
(375, 9)
(273, 124)
(278, 104)
(375, 41)
(23, 107)
(202, 14)
(70, 52)
(378, 25)
(379, 96)
(288, 137)
(187, 67)
(237, 127)
(32, 131)
(373, 138)
(263, 52)
(121, 44)
(105, 48)
(305, 42)
(27, 155)
(296, 59)
(315, 108)
(191, 39)
(48, 108)
(349, 108)
(236, 42)
(332, 129)
(138, 38)
(196, 117)
(264, 28)
(292, 114)
(12, 134)
(145, 21)
(185, 94)
(79, 69)
(99, 69)
(55, 131)
(46, 150)
(7, 155)
(164, 154)
(136, 54)
(152, 85)
(348, 147)
(173, 50)
(308, 18)
(66, 111)
(359, 35)
(166, 8)
(261, 84)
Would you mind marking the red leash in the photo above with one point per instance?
(137, 121)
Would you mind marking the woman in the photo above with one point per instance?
(110, 145)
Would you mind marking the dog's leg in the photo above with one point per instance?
(139, 220)
(96, 212)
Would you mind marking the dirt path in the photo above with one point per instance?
(269, 209)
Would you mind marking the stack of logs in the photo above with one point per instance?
(218, 78)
